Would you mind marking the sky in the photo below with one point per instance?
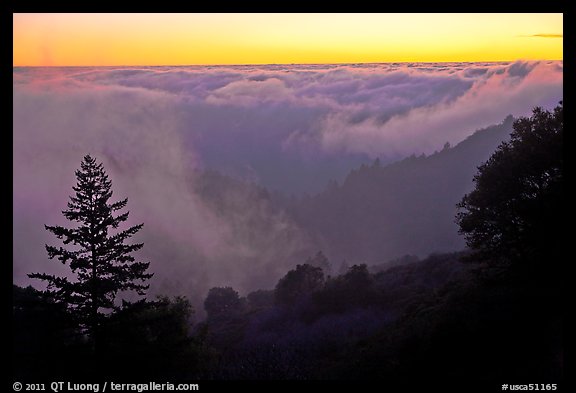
(201, 39)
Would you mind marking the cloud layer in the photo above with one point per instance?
(290, 128)
(239, 119)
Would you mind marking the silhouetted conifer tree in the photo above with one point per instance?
(101, 261)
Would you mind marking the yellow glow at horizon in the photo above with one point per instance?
(188, 39)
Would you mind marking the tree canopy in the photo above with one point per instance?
(221, 301)
(512, 217)
(299, 283)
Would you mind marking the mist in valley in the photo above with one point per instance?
(300, 220)
(279, 130)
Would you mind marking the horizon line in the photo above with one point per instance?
(279, 64)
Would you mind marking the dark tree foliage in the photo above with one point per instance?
(154, 335)
(319, 260)
(298, 283)
(101, 260)
(151, 338)
(354, 289)
(513, 215)
(260, 299)
(41, 328)
(221, 301)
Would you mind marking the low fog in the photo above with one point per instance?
(287, 128)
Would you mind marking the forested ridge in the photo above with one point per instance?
(367, 305)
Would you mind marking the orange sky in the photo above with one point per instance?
(187, 39)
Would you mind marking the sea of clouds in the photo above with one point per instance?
(287, 127)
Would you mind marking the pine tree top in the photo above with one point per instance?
(101, 260)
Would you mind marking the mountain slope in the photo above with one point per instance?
(408, 207)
